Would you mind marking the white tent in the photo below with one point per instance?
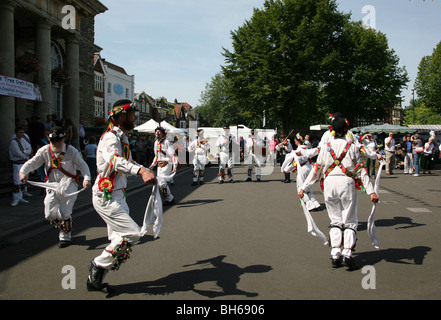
(171, 129)
(149, 126)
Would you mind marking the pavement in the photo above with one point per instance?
(25, 217)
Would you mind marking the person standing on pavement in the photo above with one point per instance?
(199, 147)
(61, 162)
(19, 152)
(371, 145)
(428, 155)
(166, 161)
(114, 164)
(389, 148)
(408, 157)
(341, 164)
(417, 149)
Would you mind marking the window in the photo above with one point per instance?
(109, 88)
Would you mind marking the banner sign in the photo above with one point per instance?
(18, 88)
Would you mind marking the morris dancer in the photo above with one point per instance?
(114, 164)
(341, 162)
(166, 161)
(225, 144)
(61, 162)
(200, 147)
(254, 159)
(290, 165)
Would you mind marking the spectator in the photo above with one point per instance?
(49, 122)
(36, 132)
(140, 150)
(90, 155)
(82, 135)
(370, 144)
(428, 155)
(72, 134)
(417, 149)
(408, 157)
(389, 148)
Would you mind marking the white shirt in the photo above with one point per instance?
(223, 142)
(70, 162)
(111, 150)
(198, 147)
(19, 150)
(391, 146)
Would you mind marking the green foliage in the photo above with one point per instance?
(298, 60)
(419, 113)
(428, 81)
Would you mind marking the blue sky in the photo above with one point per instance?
(173, 47)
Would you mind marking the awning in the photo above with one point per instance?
(426, 127)
(383, 128)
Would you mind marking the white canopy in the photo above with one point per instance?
(171, 129)
(149, 126)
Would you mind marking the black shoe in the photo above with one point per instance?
(64, 244)
(336, 263)
(221, 181)
(350, 263)
(201, 183)
(231, 181)
(258, 180)
(287, 181)
(169, 203)
(96, 277)
(249, 179)
(194, 183)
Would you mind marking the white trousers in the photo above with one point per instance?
(199, 162)
(408, 162)
(55, 209)
(225, 162)
(17, 182)
(253, 160)
(341, 200)
(116, 214)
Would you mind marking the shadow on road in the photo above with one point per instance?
(225, 275)
(413, 255)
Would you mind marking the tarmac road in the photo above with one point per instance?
(241, 241)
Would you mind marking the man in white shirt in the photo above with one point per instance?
(389, 148)
(114, 164)
(166, 161)
(61, 163)
(254, 150)
(226, 162)
(19, 152)
(199, 147)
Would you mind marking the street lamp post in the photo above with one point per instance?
(413, 106)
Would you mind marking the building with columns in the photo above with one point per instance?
(59, 37)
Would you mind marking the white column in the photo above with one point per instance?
(72, 101)
(7, 68)
(43, 54)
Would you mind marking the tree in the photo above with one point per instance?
(301, 59)
(217, 107)
(419, 113)
(428, 81)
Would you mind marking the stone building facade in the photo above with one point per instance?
(59, 36)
